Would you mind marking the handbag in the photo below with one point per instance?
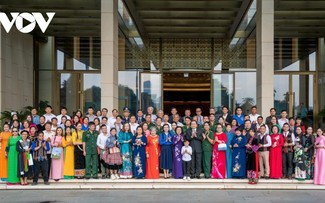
(56, 153)
(222, 147)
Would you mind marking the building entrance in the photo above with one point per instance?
(187, 91)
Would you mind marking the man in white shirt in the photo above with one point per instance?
(101, 143)
(49, 115)
(176, 120)
(133, 124)
(150, 112)
(264, 143)
(64, 112)
(165, 121)
(287, 152)
(283, 118)
(90, 114)
(111, 120)
(253, 116)
(104, 114)
(260, 123)
(48, 136)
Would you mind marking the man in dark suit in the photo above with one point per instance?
(194, 135)
(226, 116)
(173, 112)
(139, 117)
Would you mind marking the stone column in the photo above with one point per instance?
(265, 56)
(109, 54)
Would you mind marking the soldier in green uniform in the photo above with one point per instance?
(207, 145)
(187, 125)
(89, 143)
(213, 123)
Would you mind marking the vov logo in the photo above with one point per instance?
(33, 19)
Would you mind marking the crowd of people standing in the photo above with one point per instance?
(147, 145)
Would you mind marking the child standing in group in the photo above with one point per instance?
(40, 147)
(186, 157)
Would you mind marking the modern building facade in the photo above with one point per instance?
(168, 53)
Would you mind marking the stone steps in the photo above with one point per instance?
(104, 184)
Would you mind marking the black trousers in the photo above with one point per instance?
(49, 160)
(186, 168)
(41, 166)
(196, 163)
(287, 164)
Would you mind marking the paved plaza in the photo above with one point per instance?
(165, 196)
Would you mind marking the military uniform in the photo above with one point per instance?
(207, 153)
(91, 153)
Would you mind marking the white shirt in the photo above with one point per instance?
(180, 124)
(48, 117)
(59, 117)
(253, 117)
(268, 139)
(111, 121)
(47, 135)
(281, 122)
(267, 131)
(133, 127)
(186, 156)
(101, 140)
(91, 118)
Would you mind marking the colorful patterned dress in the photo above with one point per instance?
(177, 156)
(239, 156)
(139, 156)
(219, 158)
(152, 152)
(126, 153)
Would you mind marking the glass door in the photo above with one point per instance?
(151, 91)
(70, 91)
(79, 91)
(295, 93)
(222, 92)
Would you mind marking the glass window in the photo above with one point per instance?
(91, 91)
(69, 91)
(151, 91)
(222, 91)
(281, 93)
(78, 53)
(128, 90)
(245, 90)
(303, 95)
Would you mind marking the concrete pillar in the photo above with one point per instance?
(320, 68)
(265, 56)
(109, 54)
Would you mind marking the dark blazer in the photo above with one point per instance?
(171, 119)
(195, 142)
(140, 120)
(228, 118)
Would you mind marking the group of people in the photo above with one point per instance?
(147, 145)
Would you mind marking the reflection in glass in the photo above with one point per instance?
(245, 88)
(281, 93)
(302, 90)
(91, 91)
(69, 92)
(151, 91)
(222, 91)
(128, 90)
